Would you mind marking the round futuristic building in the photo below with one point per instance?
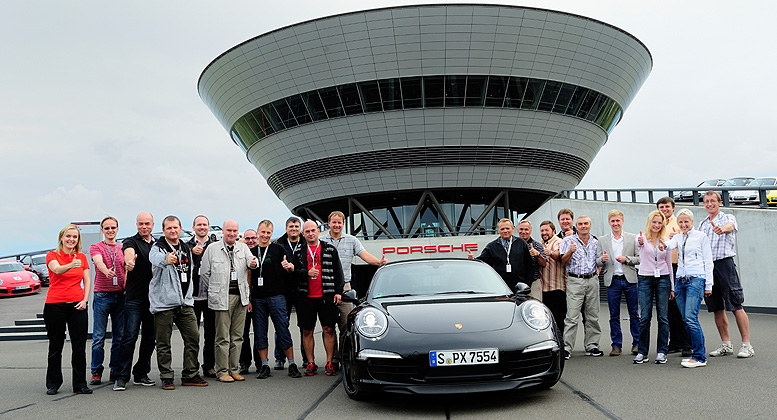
(433, 120)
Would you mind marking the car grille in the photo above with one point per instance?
(513, 365)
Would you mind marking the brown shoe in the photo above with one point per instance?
(237, 377)
(195, 380)
(167, 384)
(634, 349)
(615, 351)
(226, 378)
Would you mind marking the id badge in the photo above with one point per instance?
(115, 281)
(233, 275)
(260, 281)
(184, 278)
(509, 268)
(656, 273)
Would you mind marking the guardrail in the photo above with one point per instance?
(647, 195)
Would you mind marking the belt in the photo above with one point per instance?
(582, 276)
(618, 276)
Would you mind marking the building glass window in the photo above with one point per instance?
(531, 98)
(297, 106)
(549, 96)
(434, 91)
(411, 92)
(316, 107)
(454, 90)
(428, 91)
(476, 90)
(391, 93)
(564, 96)
(495, 93)
(349, 95)
(370, 95)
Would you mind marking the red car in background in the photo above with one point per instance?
(15, 280)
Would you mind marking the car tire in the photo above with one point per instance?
(213, 237)
(350, 390)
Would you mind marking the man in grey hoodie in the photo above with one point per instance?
(170, 298)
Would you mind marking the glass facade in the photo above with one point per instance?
(453, 91)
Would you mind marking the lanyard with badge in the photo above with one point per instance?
(656, 271)
(313, 256)
(508, 268)
(260, 280)
(685, 268)
(232, 272)
(113, 262)
(179, 266)
(293, 248)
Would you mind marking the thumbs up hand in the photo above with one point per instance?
(287, 265)
(605, 257)
(715, 228)
(641, 239)
(533, 252)
(673, 232)
(470, 256)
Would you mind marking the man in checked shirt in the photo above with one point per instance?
(727, 294)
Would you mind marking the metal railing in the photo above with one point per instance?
(651, 195)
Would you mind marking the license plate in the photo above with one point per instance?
(22, 287)
(463, 357)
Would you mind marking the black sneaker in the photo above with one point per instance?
(168, 385)
(336, 365)
(144, 381)
(84, 390)
(210, 373)
(243, 370)
(279, 365)
(120, 384)
(293, 371)
(96, 378)
(52, 391)
(567, 355)
(330, 370)
(595, 352)
(264, 372)
(687, 352)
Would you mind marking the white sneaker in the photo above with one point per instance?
(660, 358)
(746, 351)
(693, 364)
(640, 359)
(723, 350)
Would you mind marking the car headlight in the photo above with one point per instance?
(536, 315)
(1, 281)
(371, 323)
(34, 276)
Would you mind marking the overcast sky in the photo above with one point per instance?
(99, 111)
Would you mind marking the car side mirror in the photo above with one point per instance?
(522, 289)
(350, 296)
(27, 267)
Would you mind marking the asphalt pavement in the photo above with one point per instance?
(590, 388)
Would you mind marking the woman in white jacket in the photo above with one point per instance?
(693, 282)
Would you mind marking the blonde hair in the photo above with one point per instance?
(614, 212)
(648, 231)
(685, 212)
(62, 233)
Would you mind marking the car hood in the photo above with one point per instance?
(15, 277)
(453, 315)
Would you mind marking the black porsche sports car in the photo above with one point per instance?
(447, 326)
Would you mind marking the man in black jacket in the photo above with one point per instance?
(319, 275)
(519, 266)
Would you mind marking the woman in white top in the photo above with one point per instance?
(694, 281)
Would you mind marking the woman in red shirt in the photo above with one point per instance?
(65, 305)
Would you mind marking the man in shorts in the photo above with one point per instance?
(319, 275)
(727, 294)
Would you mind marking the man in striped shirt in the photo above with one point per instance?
(727, 293)
(553, 276)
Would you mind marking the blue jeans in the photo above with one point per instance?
(618, 287)
(650, 289)
(136, 313)
(689, 293)
(273, 307)
(107, 304)
(291, 301)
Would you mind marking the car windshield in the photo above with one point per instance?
(39, 259)
(709, 183)
(437, 277)
(8, 267)
(762, 181)
(737, 182)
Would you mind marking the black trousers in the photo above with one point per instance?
(58, 317)
(208, 317)
(245, 351)
(678, 336)
(556, 301)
